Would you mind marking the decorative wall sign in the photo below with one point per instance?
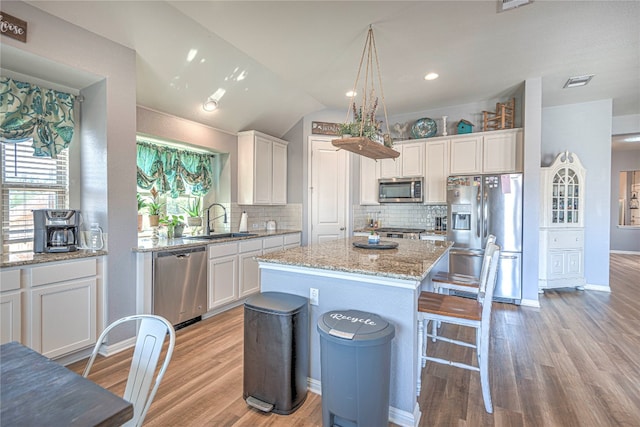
(323, 128)
(13, 27)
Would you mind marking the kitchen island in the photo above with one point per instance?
(385, 282)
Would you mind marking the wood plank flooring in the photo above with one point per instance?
(573, 362)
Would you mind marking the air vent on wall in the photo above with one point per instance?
(511, 4)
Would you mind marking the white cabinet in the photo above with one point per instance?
(466, 155)
(10, 306)
(272, 244)
(369, 174)
(62, 300)
(292, 240)
(249, 277)
(436, 170)
(408, 164)
(502, 152)
(487, 152)
(262, 169)
(222, 274)
(233, 272)
(562, 218)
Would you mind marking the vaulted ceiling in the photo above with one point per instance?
(279, 61)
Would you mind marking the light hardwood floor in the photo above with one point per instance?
(573, 362)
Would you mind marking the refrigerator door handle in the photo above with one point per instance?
(508, 257)
(485, 206)
(478, 204)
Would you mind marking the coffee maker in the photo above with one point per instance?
(55, 230)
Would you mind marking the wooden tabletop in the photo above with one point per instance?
(37, 391)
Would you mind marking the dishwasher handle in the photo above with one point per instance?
(180, 253)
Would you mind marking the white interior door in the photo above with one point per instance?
(329, 195)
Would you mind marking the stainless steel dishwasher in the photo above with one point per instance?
(180, 285)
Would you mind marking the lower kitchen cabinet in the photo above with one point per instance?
(63, 317)
(10, 306)
(52, 307)
(249, 280)
(223, 274)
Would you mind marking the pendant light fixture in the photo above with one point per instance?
(361, 132)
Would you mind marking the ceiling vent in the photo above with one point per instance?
(504, 5)
(578, 81)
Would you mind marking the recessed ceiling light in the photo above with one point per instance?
(210, 104)
(431, 76)
(351, 94)
(578, 81)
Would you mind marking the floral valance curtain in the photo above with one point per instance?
(29, 111)
(172, 171)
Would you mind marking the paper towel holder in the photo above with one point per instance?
(243, 222)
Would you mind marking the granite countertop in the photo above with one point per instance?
(28, 258)
(411, 260)
(147, 244)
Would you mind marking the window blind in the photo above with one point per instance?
(29, 183)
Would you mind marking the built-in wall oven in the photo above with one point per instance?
(400, 190)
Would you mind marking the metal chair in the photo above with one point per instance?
(442, 280)
(464, 312)
(151, 336)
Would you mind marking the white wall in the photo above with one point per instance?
(585, 129)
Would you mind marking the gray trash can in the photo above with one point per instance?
(355, 366)
(276, 351)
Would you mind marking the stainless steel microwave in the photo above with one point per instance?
(400, 190)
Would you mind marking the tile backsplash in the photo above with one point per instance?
(287, 217)
(408, 215)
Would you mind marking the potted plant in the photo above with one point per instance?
(365, 125)
(154, 207)
(194, 212)
(142, 203)
(175, 226)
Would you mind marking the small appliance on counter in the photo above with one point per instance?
(271, 225)
(55, 230)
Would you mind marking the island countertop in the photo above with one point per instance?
(411, 260)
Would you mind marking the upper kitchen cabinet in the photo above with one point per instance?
(487, 152)
(369, 174)
(436, 171)
(409, 163)
(262, 169)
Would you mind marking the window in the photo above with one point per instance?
(29, 183)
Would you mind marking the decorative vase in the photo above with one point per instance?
(178, 230)
(194, 221)
(154, 220)
(444, 125)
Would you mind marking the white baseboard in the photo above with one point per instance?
(110, 350)
(600, 288)
(314, 386)
(396, 416)
(530, 303)
(625, 252)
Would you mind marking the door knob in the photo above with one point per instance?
(341, 228)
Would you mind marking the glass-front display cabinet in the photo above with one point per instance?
(562, 223)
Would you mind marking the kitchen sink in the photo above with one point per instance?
(220, 236)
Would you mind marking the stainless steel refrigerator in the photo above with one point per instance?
(479, 205)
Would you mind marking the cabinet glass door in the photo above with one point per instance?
(565, 197)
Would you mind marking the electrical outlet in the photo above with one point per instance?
(314, 295)
(254, 225)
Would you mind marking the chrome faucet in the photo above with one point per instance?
(209, 230)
